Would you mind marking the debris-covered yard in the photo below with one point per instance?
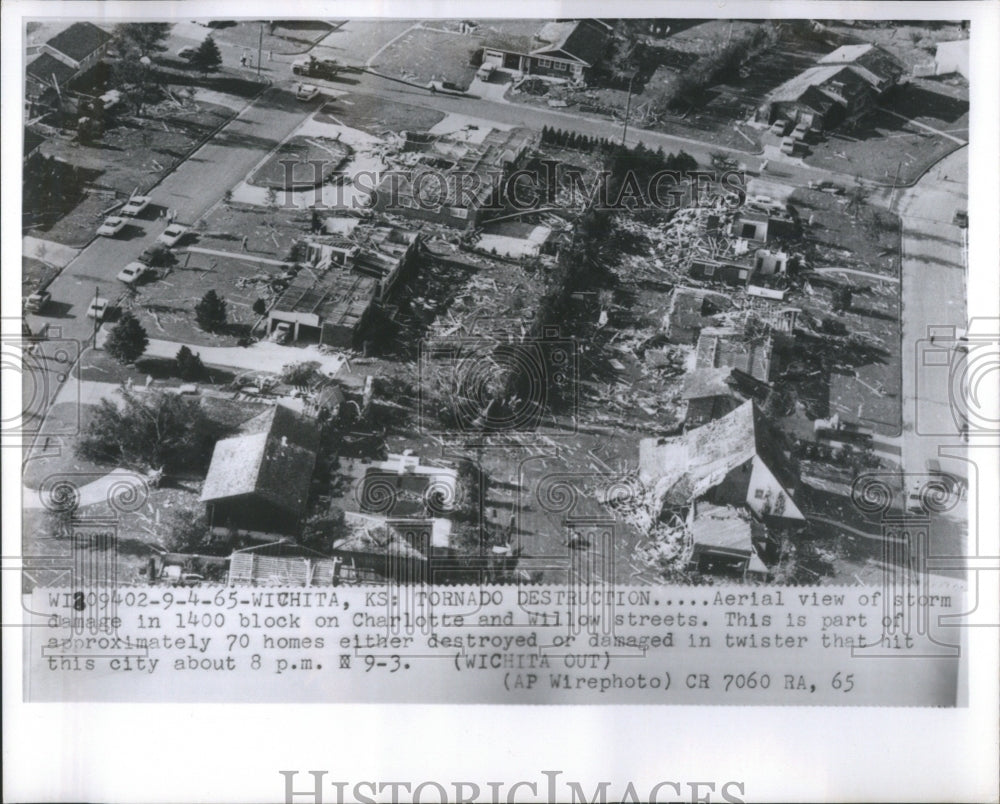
(423, 55)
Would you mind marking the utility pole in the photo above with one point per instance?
(97, 293)
(260, 47)
(628, 109)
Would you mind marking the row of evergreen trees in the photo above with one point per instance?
(650, 159)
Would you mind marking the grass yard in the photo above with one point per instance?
(286, 37)
(165, 307)
(303, 153)
(423, 55)
(377, 115)
(837, 237)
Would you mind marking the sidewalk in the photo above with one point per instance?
(262, 356)
(118, 481)
(48, 251)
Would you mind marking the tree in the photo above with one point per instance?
(135, 77)
(207, 57)
(127, 340)
(147, 38)
(188, 531)
(189, 365)
(210, 312)
(158, 431)
(321, 532)
(260, 307)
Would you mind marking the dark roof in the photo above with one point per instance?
(281, 422)
(265, 461)
(80, 40)
(582, 40)
(47, 65)
(873, 63)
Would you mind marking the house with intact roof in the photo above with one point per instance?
(258, 481)
(66, 56)
(841, 85)
(564, 49)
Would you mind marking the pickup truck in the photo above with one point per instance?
(316, 68)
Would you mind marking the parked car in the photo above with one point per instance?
(187, 52)
(961, 219)
(485, 72)
(780, 127)
(37, 301)
(444, 86)
(831, 187)
(132, 272)
(282, 332)
(112, 226)
(98, 308)
(172, 235)
(306, 92)
(136, 204)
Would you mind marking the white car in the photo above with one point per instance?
(36, 301)
(136, 204)
(98, 308)
(132, 272)
(172, 235)
(306, 92)
(112, 226)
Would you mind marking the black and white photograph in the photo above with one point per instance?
(598, 370)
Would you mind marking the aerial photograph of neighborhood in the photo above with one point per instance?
(501, 301)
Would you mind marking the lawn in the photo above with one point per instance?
(165, 307)
(423, 55)
(301, 155)
(286, 37)
(377, 115)
(96, 365)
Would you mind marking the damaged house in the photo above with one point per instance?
(726, 540)
(736, 460)
(454, 182)
(842, 85)
(730, 347)
(691, 310)
(711, 393)
(333, 297)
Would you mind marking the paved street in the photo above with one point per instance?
(190, 191)
(933, 300)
